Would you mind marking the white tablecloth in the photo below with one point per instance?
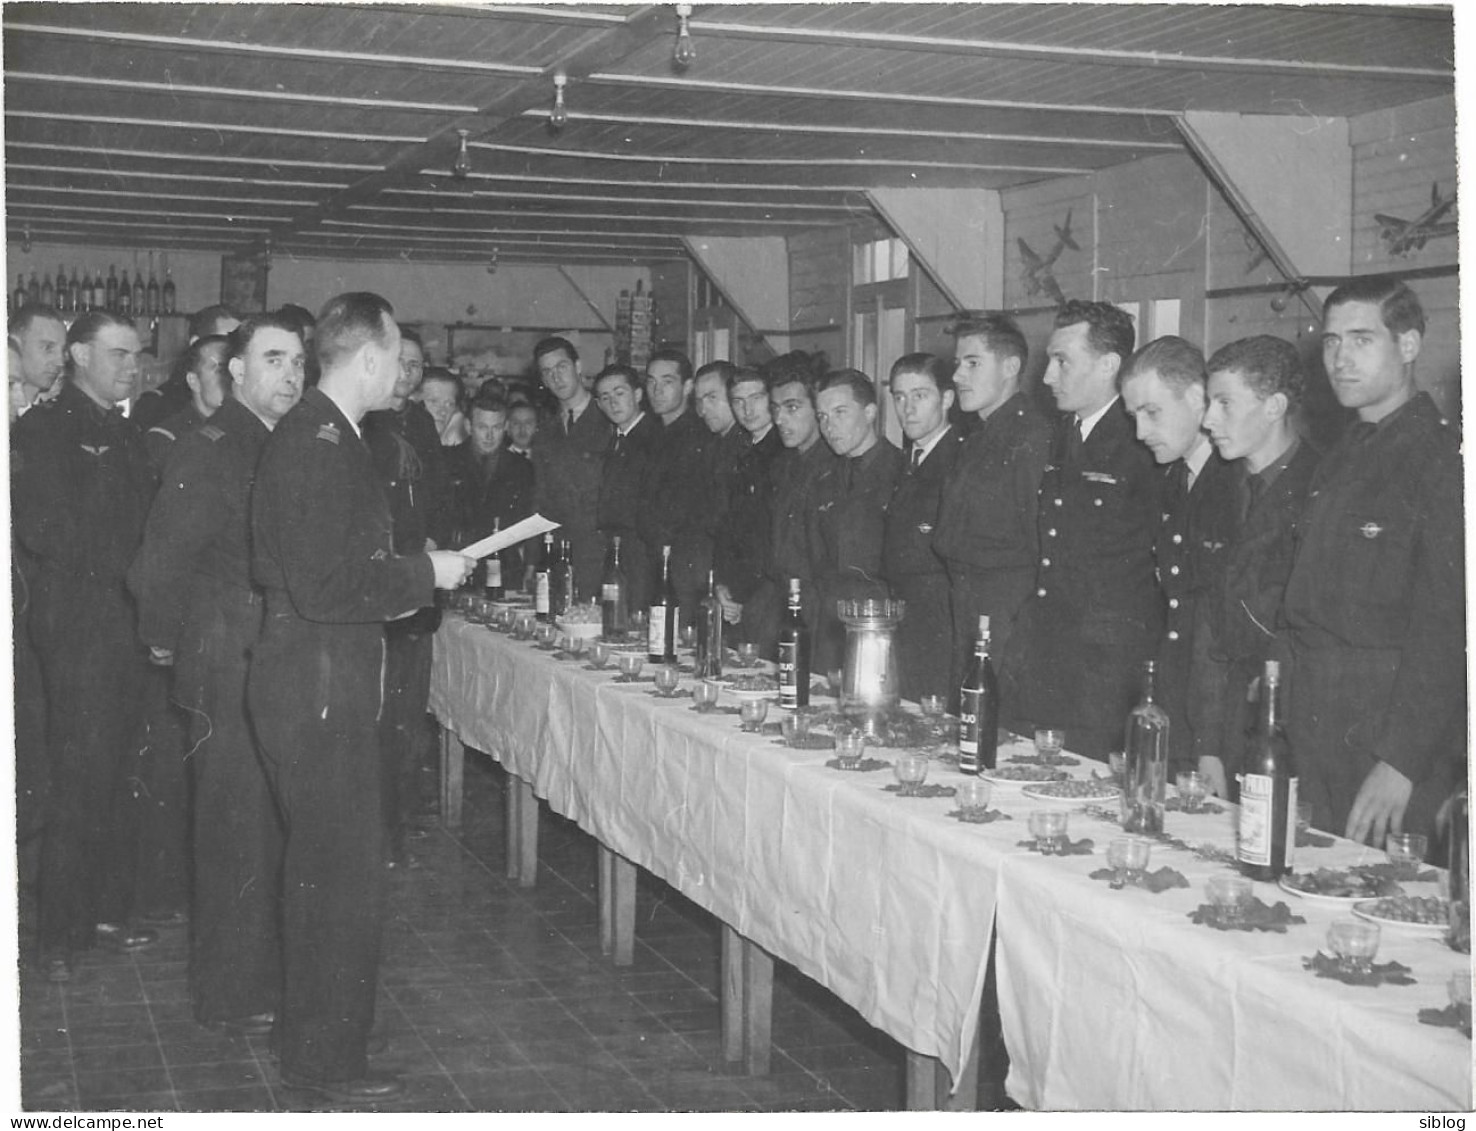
(1111, 1000)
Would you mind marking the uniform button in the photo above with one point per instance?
(1178, 538)
(1173, 602)
(1045, 562)
(1174, 570)
(1096, 502)
(1051, 532)
(1040, 592)
(1173, 636)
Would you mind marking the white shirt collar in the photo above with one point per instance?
(1197, 458)
(927, 446)
(1086, 425)
(627, 429)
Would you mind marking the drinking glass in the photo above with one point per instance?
(1354, 942)
(1407, 850)
(911, 771)
(544, 635)
(1193, 789)
(667, 678)
(753, 712)
(599, 653)
(932, 705)
(630, 664)
(705, 694)
(1048, 743)
(850, 745)
(1128, 856)
(796, 727)
(1048, 827)
(1229, 894)
(973, 795)
(747, 654)
(523, 627)
(687, 636)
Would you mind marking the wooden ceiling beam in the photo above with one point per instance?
(216, 127)
(153, 154)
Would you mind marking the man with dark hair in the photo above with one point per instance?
(408, 460)
(680, 501)
(40, 337)
(440, 393)
(173, 397)
(204, 367)
(1162, 389)
(1255, 389)
(492, 485)
(82, 488)
(986, 532)
(923, 397)
(741, 550)
(211, 321)
(322, 552)
(522, 426)
(626, 477)
(1376, 599)
(1074, 659)
(568, 459)
(198, 609)
(850, 506)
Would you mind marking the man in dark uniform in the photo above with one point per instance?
(923, 396)
(407, 455)
(741, 550)
(850, 506)
(82, 489)
(1376, 598)
(793, 474)
(986, 532)
(568, 459)
(724, 443)
(1255, 388)
(173, 397)
(626, 477)
(1163, 390)
(322, 552)
(492, 485)
(204, 365)
(198, 608)
(1074, 659)
(40, 339)
(677, 506)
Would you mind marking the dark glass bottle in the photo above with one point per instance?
(543, 580)
(561, 581)
(48, 295)
(151, 293)
(1145, 750)
(74, 293)
(63, 293)
(794, 652)
(492, 570)
(125, 294)
(110, 294)
(664, 616)
(169, 297)
(614, 595)
(710, 633)
(33, 289)
(138, 288)
(978, 710)
(99, 292)
(18, 298)
(1267, 835)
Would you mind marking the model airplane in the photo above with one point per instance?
(1405, 236)
(1037, 274)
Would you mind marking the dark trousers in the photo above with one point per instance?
(972, 593)
(314, 699)
(403, 736)
(164, 803)
(93, 672)
(235, 928)
(925, 646)
(32, 762)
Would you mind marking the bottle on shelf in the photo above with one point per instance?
(151, 293)
(492, 570)
(1145, 759)
(18, 296)
(74, 293)
(794, 652)
(138, 288)
(663, 619)
(33, 289)
(614, 595)
(978, 708)
(168, 297)
(1267, 836)
(543, 580)
(99, 292)
(111, 292)
(561, 581)
(48, 294)
(61, 288)
(125, 295)
(710, 633)
(85, 294)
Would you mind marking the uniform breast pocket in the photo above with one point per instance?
(1377, 558)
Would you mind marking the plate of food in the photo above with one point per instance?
(750, 685)
(1413, 914)
(1023, 774)
(1338, 885)
(1073, 790)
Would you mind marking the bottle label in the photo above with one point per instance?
(494, 573)
(1255, 819)
(656, 631)
(968, 731)
(788, 674)
(609, 592)
(540, 594)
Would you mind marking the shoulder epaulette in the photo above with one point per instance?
(329, 432)
(211, 432)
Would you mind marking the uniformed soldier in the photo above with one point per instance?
(923, 395)
(82, 488)
(323, 556)
(986, 532)
(568, 460)
(742, 548)
(1163, 390)
(1255, 389)
(173, 397)
(1074, 658)
(725, 442)
(677, 507)
(492, 485)
(40, 338)
(1376, 598)
(849, 511)
(625, 477)
(198, 608)
(204, 365)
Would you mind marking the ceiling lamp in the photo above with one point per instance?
(461, 168)
(685, 52)
(558, 117)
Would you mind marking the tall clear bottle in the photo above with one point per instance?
(125, 295)
(492, 582)
(1145, 748)
(543, 580)
(794, 652)
(663, 627)
(978, 708)
(710, 633)
(138, 287)
(561, 582)
(614, 595)
(151, 292)
(1268, 791)
(110, 292)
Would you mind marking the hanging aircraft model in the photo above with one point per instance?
(1405, 236)
(1037, 273)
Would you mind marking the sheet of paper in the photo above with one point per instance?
(534, 526)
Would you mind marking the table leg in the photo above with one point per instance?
(922, 1082)
(758, 1008)
(527, 834)
(453, 762)
(514, 805)
(623, 875)
(929, 1083)
(731, 997)
(605, 887)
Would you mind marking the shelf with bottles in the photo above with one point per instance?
(86, 288)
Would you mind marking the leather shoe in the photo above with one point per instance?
(371, 1088)
(256, 1025)
(122, 937)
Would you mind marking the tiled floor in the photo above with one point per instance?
(493, 998)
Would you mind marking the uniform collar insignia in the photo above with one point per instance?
(329, 432)
(96, 451)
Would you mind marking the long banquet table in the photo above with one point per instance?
(1108, 999)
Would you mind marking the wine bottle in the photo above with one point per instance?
(61, 288)
(138, 287)
(1268, 791)
(710, 633)
(74, 293)
(663, 617)
(33, 289)
(110, 299)
(542, 580)
(794, 652)
(125, 294)
(48, 295)
(151, 294)
(99, 292)
(492, 569)
(561, 582)
(614, 595)
(1145, 757)
(18, 298)
(169, 296)
(978, 710)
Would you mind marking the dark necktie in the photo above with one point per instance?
(569, 422)
(917, 457)
(1072, 456)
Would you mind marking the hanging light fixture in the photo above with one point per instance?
(558, 117)
(26, 239)
(685, 52)
(461, 168)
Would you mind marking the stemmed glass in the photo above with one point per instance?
(911, 771)
(753, 712)
(667, 678)
(1193, 789)
(1354, 942)
(1127, 856)
(1048, 827)
(850, 745)
(705, 695)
